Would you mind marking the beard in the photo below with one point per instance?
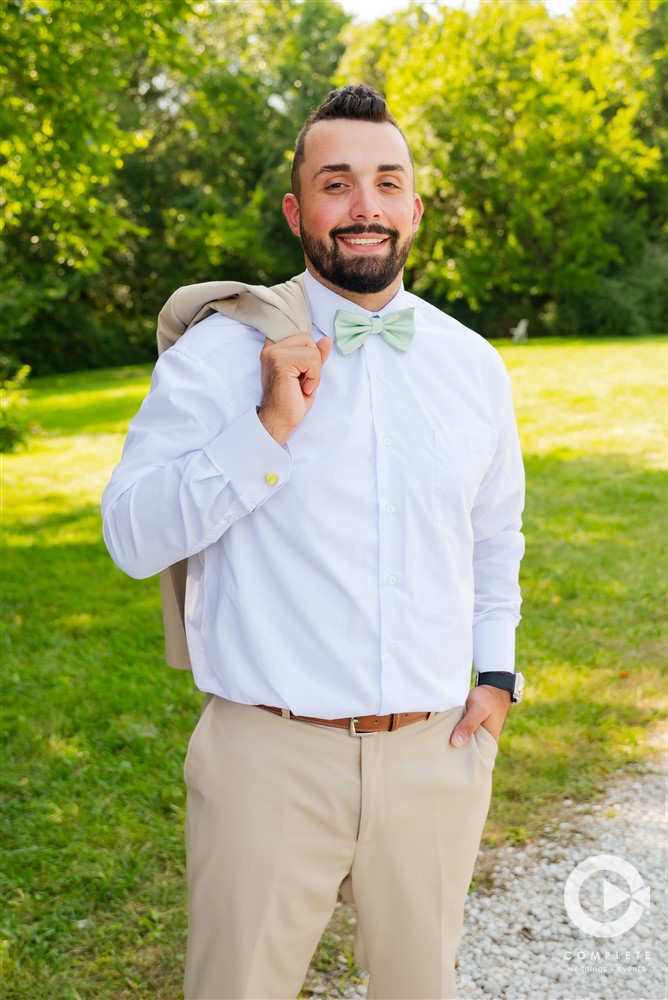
(363, 274)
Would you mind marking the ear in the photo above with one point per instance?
(291, 212)
(418, 211)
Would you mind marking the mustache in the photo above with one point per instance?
(358, 229)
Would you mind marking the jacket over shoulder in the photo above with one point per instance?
(278, 312)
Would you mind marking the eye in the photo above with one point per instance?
(389, 184)
(335, 186)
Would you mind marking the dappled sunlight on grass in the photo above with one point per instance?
(88, 402)
(58, 476)
(589, 398)
(50, 523)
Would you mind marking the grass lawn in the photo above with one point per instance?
(95, 727)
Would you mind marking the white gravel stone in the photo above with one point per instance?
(521, 919)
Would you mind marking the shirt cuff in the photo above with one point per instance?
(494, 645)
(251, 459)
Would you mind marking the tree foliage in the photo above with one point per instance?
(67, 68)
(209, 187)
(148, 145)
(14, 424)
(534, 151)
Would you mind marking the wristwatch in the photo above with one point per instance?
(511, 682)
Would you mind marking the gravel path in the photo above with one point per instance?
(518, 941)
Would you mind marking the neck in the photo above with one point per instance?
(372, 301)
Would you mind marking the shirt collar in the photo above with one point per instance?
(324, 303)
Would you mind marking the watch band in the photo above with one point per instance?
(513, 683)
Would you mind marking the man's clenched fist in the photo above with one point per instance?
(290, 378)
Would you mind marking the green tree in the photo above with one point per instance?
(67, 65)
(526, 132)
(624, 45)
(206, 192)
(203, 123)
(148, 145)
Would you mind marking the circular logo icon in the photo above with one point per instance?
(608, 896)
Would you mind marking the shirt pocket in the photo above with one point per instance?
(462, 459)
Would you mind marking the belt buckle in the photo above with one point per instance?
(353, 731)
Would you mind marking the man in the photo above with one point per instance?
(351, 514)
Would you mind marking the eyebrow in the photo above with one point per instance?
(345, 168)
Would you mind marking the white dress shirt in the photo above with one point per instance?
(361, 568)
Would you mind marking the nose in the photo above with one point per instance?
(364, 204)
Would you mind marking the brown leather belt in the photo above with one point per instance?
(361, 725)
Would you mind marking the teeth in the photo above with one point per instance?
(362, 243)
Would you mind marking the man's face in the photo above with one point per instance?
(357, 211)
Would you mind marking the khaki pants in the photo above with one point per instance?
(280, 814)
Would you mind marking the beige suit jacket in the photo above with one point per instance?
(277, 312)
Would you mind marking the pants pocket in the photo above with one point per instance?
(486, 744)
(194, 737)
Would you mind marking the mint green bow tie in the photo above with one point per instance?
(352, 329)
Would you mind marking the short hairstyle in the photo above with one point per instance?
(354, 102)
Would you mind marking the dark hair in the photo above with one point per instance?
(355, 102)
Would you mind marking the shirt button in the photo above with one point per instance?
(391, 580)
(271, 479)
(380, 374)
(387, 440)
(390, 508)
(391, 647)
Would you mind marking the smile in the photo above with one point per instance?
(364, 241)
